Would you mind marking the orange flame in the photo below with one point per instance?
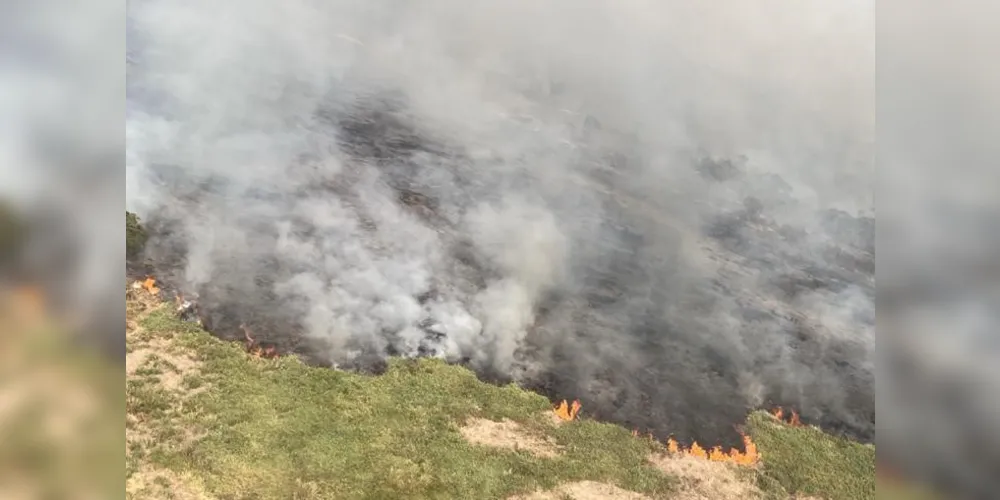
(749, 455)
(150, 285)
(254, 349)
(697, 451)
(672, 446)
(263, 352)
(734, 456)
(793, 420)
(567, 412)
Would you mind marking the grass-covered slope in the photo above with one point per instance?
(224, 424)
(206, 420)
(806, 461)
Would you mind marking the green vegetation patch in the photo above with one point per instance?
(281, 429)
(135, 235)
(807, 461)
(242, 427)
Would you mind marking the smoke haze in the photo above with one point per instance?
(662, 208)
(939, 113)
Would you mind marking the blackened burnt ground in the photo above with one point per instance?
(634, 333)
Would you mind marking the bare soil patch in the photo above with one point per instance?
(173, 367)
(507, 434)
(706, 480)
(583, 490)
(155, 483)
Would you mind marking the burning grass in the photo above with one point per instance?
(803, 461)
(792, 418)
(747, 456)
(276, 428)
(255, 348)
(266, 426)
(566, 412)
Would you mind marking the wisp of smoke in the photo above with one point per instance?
(661, 208)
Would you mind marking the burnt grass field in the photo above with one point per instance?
(631, 333)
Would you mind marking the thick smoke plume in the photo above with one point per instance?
(662, 208)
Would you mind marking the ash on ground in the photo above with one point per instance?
(672, 317)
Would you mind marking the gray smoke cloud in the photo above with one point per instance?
(938, 301)
(664, 208)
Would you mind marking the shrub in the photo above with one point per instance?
(135, 235)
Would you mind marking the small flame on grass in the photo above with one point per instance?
(749, 455)
(792, 420)
(566, 411)
(264, 352)
(734, 456)
(150, 285)
(255, 349)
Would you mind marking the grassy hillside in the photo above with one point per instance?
(806, 461)
(207, 420)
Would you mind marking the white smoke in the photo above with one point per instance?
(560, 128)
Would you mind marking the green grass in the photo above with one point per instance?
(278, 428)
(135, 235)
(806, 461)
(249, 428)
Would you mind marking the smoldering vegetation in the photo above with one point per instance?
(528, 194)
